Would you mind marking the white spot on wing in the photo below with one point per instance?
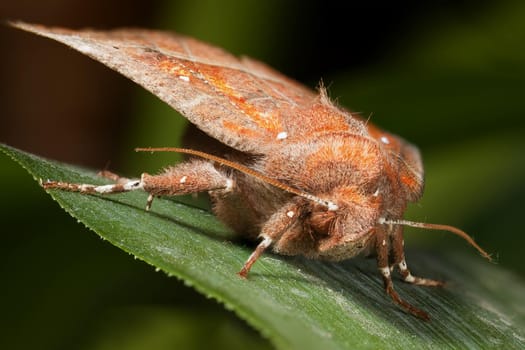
(191, 103)
(385, 140)
(282, 135)
(183, 179)
(84, 48)
(184, 78)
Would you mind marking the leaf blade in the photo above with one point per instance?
(296, 302)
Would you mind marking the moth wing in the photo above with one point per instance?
(405, 159)
(238, 101)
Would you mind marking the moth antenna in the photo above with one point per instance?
(243, 169)
(448, 228)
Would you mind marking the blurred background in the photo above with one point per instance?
(447, 75)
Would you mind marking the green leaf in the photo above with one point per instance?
(295, 302)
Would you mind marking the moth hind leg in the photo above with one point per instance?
(399, 262)
(113, 177)
(185, 178)
(124, 186)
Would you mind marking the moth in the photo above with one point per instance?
(290, 168)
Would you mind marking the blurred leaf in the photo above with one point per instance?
(455, 87)
(456, 77)
(299, 303)
(457, 176)
(161, 328)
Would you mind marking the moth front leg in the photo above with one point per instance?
(382, 247)
(399, 261)
(280, 222)
(185, 178)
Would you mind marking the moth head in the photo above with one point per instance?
(359, 213)
(356, 213)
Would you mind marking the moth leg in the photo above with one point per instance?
(185, 178)
(273, 229)
(113, 177)
(400, 262)
(382, 249)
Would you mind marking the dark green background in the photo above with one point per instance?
(448, 76)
